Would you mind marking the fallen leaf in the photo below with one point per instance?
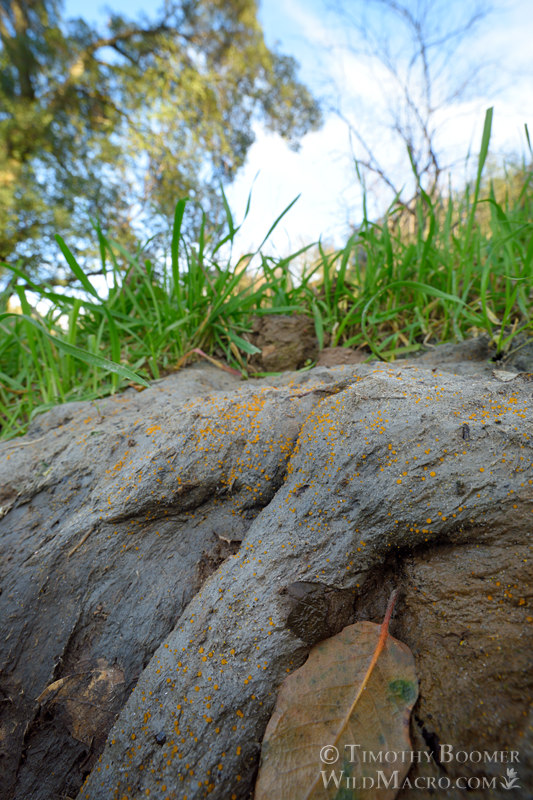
(50, 689)
(86, 699)
(353, 696)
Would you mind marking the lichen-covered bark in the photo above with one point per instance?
(113, 515)
(195, 544)
(401, 464)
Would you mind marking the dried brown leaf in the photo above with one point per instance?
(85, 699)
(354, 694)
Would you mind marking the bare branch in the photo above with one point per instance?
(414, 44)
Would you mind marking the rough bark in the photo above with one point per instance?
(169, 556)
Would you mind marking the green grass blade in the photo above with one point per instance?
(75, 267)
(175, 248)
(91, 359)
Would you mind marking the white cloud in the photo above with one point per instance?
(316, 173)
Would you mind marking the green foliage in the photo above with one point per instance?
(121, 121)
(149, 321)
(465, 268)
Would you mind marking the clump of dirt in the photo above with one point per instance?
(286, 343)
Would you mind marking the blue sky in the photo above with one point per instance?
(322, 172)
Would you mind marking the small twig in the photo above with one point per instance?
(25, 444)
(77, 546)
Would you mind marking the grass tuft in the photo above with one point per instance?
(450, 267)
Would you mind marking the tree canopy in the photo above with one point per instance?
(120, 123)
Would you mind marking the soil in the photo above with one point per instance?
(289, 343)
